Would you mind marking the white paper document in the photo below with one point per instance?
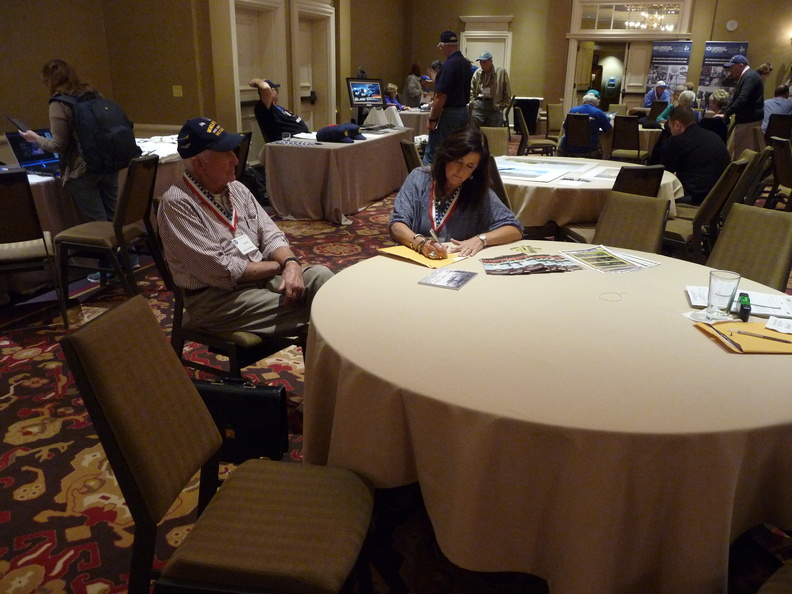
(762, 304)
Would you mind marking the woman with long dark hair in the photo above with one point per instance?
(96, 194)
(452, 197)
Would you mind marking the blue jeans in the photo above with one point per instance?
(451, 120)
(96, 195)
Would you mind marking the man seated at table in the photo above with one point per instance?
(780, 103)
(599, 120)
(658, 93)
(273, 119)
(234, 264)
(696, 156)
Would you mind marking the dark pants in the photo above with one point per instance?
(451, 120)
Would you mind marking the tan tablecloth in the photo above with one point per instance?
(417, 121)
(574, 426)
(331, 180)
(647, 137)
(538, 203)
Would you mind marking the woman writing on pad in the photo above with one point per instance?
(452, 199)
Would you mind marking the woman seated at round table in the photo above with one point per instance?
(392, 97)
(453, 198)
(686, 99)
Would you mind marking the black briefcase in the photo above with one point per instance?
(252, 419)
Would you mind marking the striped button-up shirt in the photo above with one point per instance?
(198, 245)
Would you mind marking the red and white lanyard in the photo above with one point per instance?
(229, 219)
(437, 225)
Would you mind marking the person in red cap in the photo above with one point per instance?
(234, 264)
(747, 104)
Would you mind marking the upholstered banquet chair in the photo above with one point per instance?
(496, 183)
(111, 239)
(411, 157)
(627, 140)
(272, 526)
(23, 245)
(697, 236)
(241, 151)
(527, 145)
(629, 221)
(555, 121)
(577, 128)
(631, 179)
(782, 173)
(497, 139)
(757, 243)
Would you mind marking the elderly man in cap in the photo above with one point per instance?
(448, 110)
(490, 92)
(273, 119)
(658, 93)
(747, 104)
(234, 264)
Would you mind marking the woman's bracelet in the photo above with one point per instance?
(420, 245)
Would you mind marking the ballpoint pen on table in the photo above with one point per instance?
(755, 335)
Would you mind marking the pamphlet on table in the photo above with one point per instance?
(604, 259)
(447, 278)
(528, 264)
(762, 304)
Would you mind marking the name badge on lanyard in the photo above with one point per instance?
(243, 243)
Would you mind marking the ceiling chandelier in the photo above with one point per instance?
(651, 17)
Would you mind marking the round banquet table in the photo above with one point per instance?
(537, 203)
(574, 425)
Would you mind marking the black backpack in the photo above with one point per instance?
(104, 134)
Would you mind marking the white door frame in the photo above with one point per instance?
(326, 14)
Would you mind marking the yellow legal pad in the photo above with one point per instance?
(402, 251)
(726, 333)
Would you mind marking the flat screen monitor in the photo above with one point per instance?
(365, 92)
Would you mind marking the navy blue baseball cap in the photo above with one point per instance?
(738, 59)
(202, 134)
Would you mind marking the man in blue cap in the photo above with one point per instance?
(274, 120)
(490, 92)
(234, 264)
(747, 104)
(448, 111)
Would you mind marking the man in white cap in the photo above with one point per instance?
(234, 264)
(490, 92)
(658, 93)
(747, 104)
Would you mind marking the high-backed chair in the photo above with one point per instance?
(497, 139)
(697, 236)
(506, 113)
(656, 109)
(632, 222)
(779, 125)
(631, 179)
(271, 526)
(626, 140)
(241, 151)
(497, 183)
(411, 157)
(757, 243)
(527, 145)
(782, 173)
(109, 239)
(24, 246)
(719, 126)
(555, 121)
(762, 165)
(577, 137)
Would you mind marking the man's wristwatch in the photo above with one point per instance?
(290, 259)
(483, 239)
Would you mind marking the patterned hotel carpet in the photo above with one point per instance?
(63, 525)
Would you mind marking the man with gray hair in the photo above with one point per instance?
(490, 92)
(234, 264)
(448, 111)
(597, 118)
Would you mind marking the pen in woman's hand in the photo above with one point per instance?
(433, 254)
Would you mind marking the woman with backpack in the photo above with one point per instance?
(95, 193)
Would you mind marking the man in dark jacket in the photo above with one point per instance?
(697, 156)
(747, 104)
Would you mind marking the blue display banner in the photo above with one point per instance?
(670, 60)
(716, 54)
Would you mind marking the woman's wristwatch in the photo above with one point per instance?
(483, 239)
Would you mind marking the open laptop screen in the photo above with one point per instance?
(29, 154)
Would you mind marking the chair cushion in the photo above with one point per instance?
(27, 250)
(581, 232)
(629, 154)
(98, 233)
(686, 211)
(680, 230)
(245, 340)
(275, 525)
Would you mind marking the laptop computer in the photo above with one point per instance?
(31, 156)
